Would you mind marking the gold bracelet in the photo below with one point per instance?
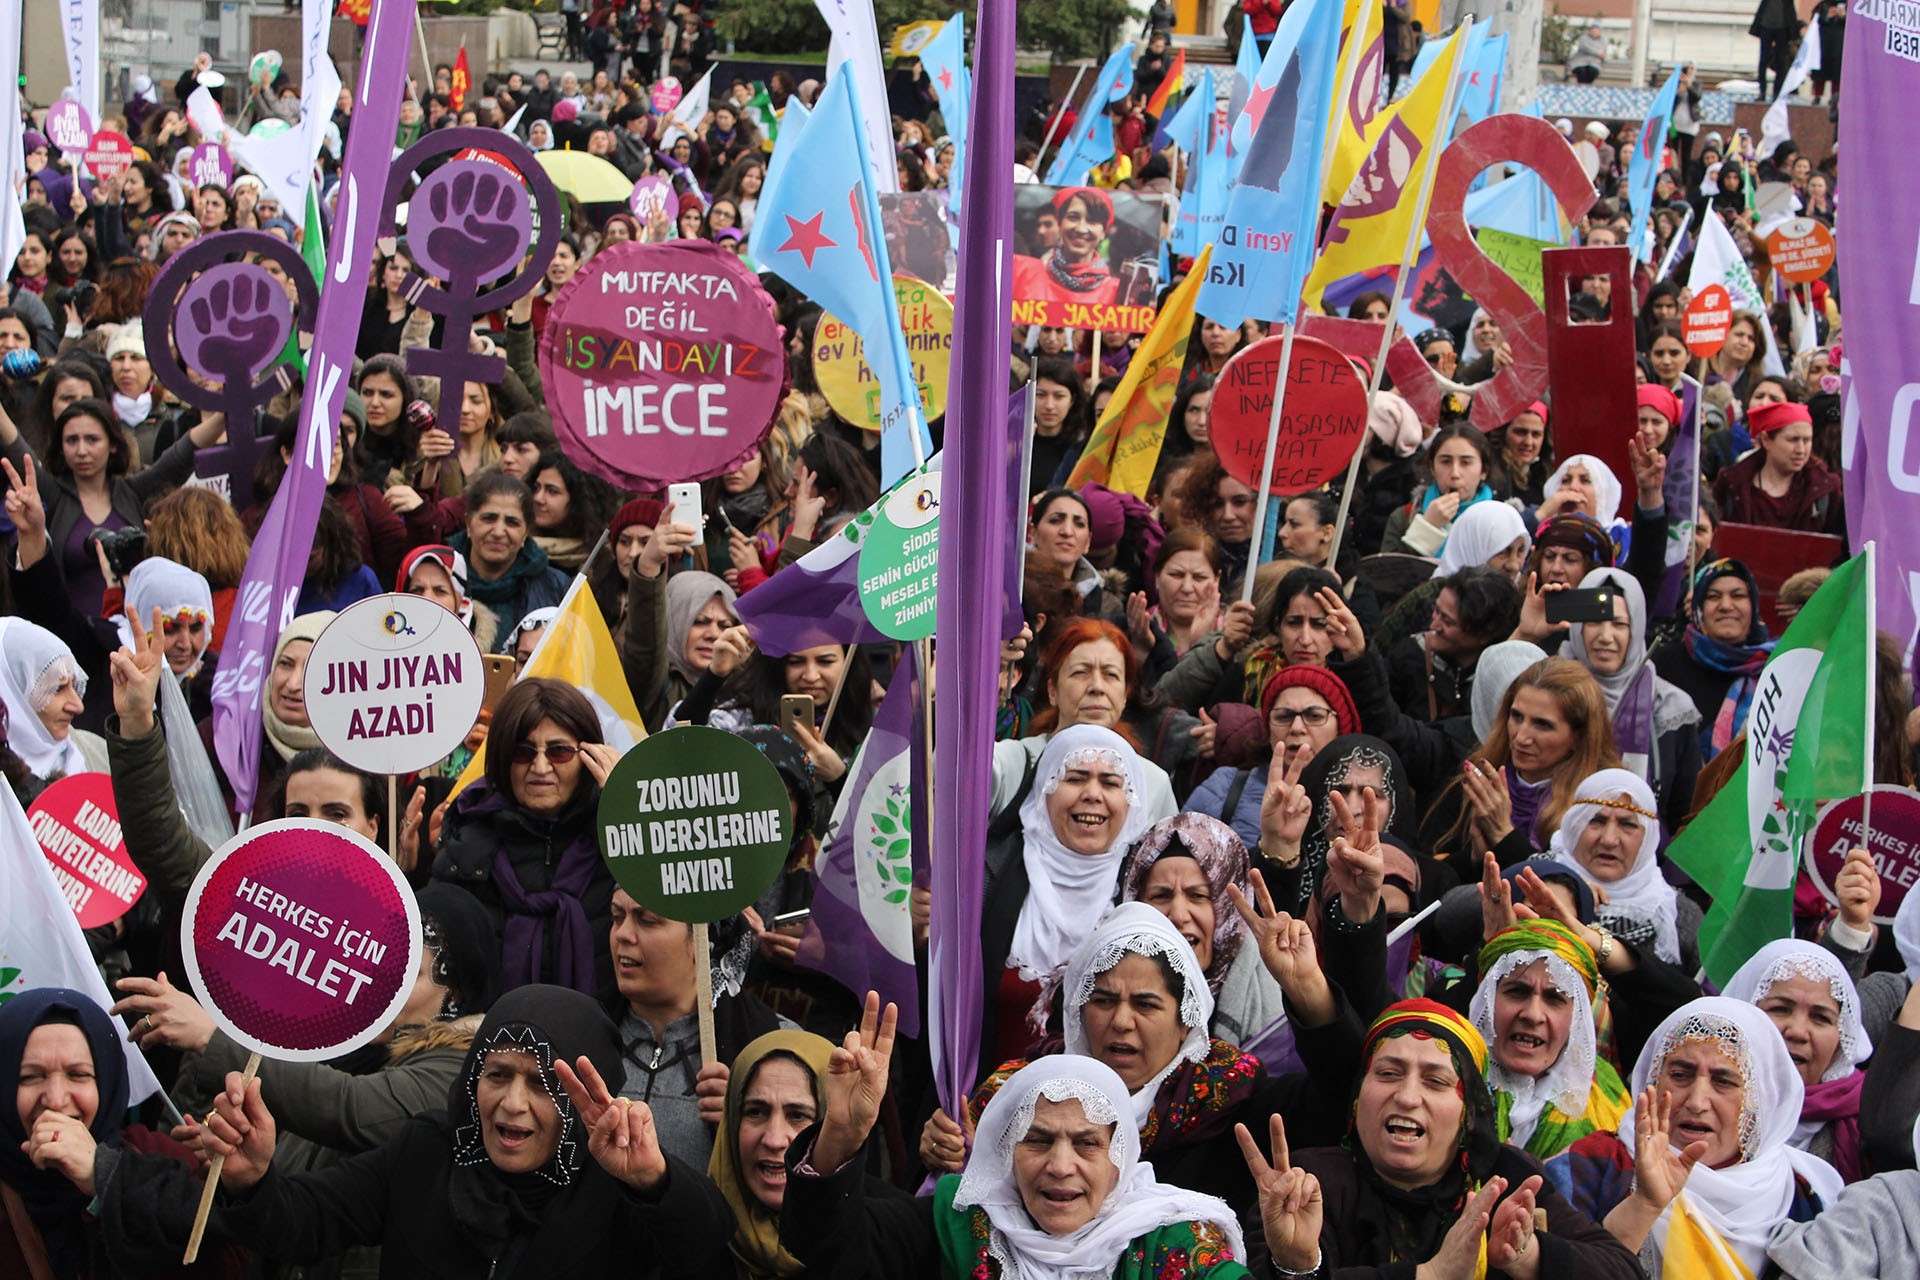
(1606, 947)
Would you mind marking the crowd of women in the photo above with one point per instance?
(1329, 932)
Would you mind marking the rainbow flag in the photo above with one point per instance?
(1174, 83)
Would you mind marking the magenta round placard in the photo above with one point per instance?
(304, 938)
(662, 362)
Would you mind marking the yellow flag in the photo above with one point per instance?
(1695, 1251)
(578, 649)
(1381, 197)
(1362, 71)
(1125, 443)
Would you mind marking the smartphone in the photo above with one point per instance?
(1580, 604)
(500, 673)
(795, 709)
(683, 506)
(792, 921)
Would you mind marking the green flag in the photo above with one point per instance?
(760, 107)
(1806, 743)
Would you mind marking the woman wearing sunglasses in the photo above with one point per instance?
(522, 839)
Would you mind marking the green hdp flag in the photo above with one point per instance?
(1806, 744)
(760, 107)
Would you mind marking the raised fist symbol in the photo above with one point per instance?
(475, 219)
(240, 319)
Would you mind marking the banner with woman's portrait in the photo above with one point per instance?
(1086, 258)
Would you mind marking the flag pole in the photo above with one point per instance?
(1262, 496)
(1408, 253)
(1872, 684)
(1060, 114)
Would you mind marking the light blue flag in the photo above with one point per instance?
(944, 59)
(1191, 124)
(1643, 167)
(1081, 150)
(1245, 69)
(1480, 90)
(818, 228)
(1203, 201)
(1266, 244)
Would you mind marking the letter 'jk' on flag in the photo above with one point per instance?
(818, 228)
(1805, 744)
(1267, 236)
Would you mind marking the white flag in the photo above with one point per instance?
(1773, 126)
(40, 940)
(686, 113)
(856, 40)
(13, 143)
(80, 33)
(1717, 260)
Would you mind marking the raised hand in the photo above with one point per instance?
(1236, 628)
(1857, 886)
(1285, 807)
(136, 675)
(733, 647)
(169, 1017)
(599, 759)
(1139, 626)
(241, 1129)
(1486, 792)
(1649, 468)
(25, 509)
(710, 1091)
(1349, 637)
(1286, 948)
(1497, 911)
(943, 1143)
(1659, 1172)
(1291, 1208)
(620, 1131)
(856, 1083)
(805, 503)
(1511, 1247)
(1459, 1254)
(1356, 864)
(1203, 735)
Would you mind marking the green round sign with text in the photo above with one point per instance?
(899, 557)
(695, 824)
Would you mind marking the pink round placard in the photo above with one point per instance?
(662, 362)
(304, 938)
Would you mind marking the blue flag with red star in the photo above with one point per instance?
(1083, 147)
(818, 228)
(1273, 211)
(944, 59)
(1644, 166)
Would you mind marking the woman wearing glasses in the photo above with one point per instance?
(522, 841)
(1305, 709)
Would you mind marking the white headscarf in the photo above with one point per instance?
(1568, 1082)
(1906, 933)
(1744, 1201)
(1136, 929)
(1480, 533)
(172, 588)
(1606, 486)
(1067, 892)
(1792, 958)
(1641, 903)
(1138, 1204)
(1499, 666)
(33, 662)
(1642, 704)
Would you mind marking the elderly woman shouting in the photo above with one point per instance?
(1055, 1186)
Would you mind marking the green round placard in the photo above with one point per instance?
(899, 557)
(694, 823)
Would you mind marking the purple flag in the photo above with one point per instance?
(815, 600)
(972, 534)
(1880, 188)
(277, 564)
(1681, 491)
(863, 877)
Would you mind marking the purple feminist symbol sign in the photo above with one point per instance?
(224, 325)
(470, 225)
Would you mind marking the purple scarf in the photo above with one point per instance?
(530, 916)
(1528, 799)
(1837, 1102)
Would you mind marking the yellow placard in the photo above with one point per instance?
(840, 360)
